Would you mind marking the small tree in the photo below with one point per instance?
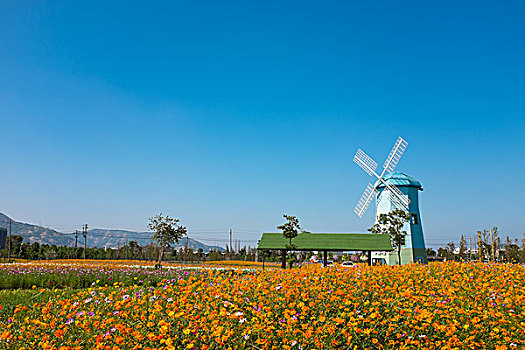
(167, 232)
(521, 252)
(486, 245)
(392, 224)
(512, 250)
(290, 230)
(496, 240)
(462, 248)
(431, 252)
(450, 248)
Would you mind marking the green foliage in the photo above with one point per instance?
(77, 278)
(132, 250)
(167, 232)
(448, 251)
(431, 252)
(12, 298)
(392, 224)
(290, 228)
(462, 248)
(512, 250)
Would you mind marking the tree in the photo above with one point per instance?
(442, 252)
(486, 245)
(200, 254)
(290, 230)
(512, 250)
(431, 252)
(447, 252)
(521, 253)
(495, 239)
(392, 224)
(451, 247)
(16, 245)
(167, 232)
(134, 248)
(462, 248)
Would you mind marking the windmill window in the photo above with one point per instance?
(414, 220)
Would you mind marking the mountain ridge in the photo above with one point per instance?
(97, 237)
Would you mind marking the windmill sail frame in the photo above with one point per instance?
(369, 166)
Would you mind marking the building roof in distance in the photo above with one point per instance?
(327, 241)
(400, 179)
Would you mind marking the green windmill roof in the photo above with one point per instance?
(400, 179)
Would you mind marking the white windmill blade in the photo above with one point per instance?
(395, 155)
(365, 200)
(397, 194)
(395, 200)
(365, 162)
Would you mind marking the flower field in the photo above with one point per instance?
(437, 306)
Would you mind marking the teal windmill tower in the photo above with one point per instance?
(394, 190)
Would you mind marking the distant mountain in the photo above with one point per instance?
(96, 237)
(114, 238)
(35, 233)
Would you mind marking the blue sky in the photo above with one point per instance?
(229, 114)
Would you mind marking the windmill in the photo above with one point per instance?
(394, 190)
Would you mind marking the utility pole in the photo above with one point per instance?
(76, 239)
(9, 244)
(85, 239)
(231, 247)
(492, 241)
(479, 246)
